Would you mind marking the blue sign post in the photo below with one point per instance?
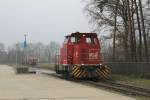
(25, 42)
(25, 49)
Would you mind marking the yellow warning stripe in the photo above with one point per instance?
(84, 74)
(98, 70)
(107, 70)
(75, 74)
(105, 74)
(79, 74)
(74, 67)
(99, 74)
(74, 71)
(102, 74)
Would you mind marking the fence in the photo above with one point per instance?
(130, 68)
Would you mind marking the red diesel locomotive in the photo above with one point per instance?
(80, 57)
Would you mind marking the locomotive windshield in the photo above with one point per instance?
(91, 40)
(82, 38)
(74, 39)
(71, 39)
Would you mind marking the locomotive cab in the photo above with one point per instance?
(80, 57)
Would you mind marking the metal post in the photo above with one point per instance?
(25, 54)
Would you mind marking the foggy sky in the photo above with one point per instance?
(42, 20)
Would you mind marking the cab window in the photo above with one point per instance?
(72, 39)
(89, 40)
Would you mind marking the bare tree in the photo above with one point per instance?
(125, 18)
(115, 28)
(51, 50)
(143, 30)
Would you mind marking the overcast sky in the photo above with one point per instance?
(42, 20)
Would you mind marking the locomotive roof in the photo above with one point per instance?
(81, 34)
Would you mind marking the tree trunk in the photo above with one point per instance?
(125, 18)
(140, 32)
(144, 33)
(133, 31)
(115, 28)
(130, 30)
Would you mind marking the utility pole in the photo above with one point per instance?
(25, 46)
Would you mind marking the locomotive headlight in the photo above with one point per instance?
(82, 64)
(100, 64)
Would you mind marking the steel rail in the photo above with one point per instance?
(107, 84)
(122, 87)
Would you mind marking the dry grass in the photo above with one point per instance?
(142, 98)
(134, 80)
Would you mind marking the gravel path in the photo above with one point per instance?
(42, 87)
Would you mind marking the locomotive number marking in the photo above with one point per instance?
(93, 55)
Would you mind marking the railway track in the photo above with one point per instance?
(111, 85)
(121, 87)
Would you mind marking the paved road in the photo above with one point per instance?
(41, 87)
